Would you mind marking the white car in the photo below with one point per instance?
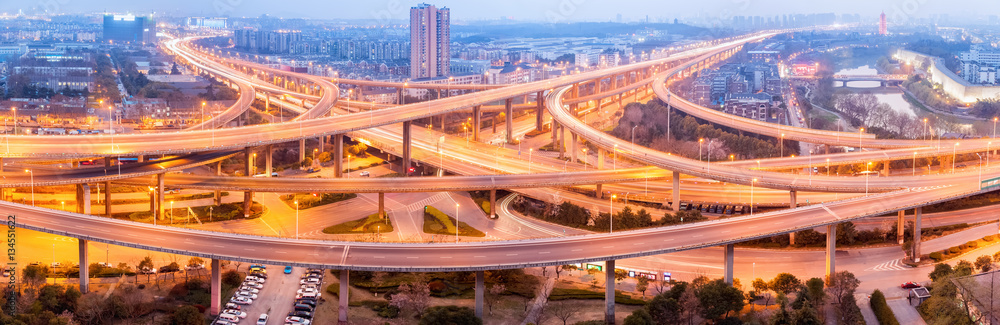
(262, 320)
(241, 300)
(249, 289)
(296, 320)
(237, 313)
(309, 286)
(255, 279)
(253, 284)
(307, 290)
(194, 267)
(310, 295)
(310, 281)
(230, 305)
(247, 294)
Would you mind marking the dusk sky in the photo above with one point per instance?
(563, 10)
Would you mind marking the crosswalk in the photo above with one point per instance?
(894, 265)
(420, 204)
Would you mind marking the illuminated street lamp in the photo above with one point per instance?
(29, 171)
(611, 215)
(954, 154)
(752, 182)
(867, 174)
(296, 219)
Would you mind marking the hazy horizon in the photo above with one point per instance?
(523, 10)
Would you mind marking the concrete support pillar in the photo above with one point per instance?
(600, 158)
(676, 191)
(140, 158)
(84, 267)
(792, 199)
(218, 193)
(477, 121)
(344, 291)
(728, 268)
(609, 292)
(791, 238)
(338, 156)
(831, 249)
(302, 150)
(509, 115)
(381, 205)
(406, 149)
(248, 195)
(916, 233)
(160, 196)
(900, 225)
(539, 110)
(480, 291)
(82, 198)
(107, 199)
(493, 203)
(573, 147)
(216, 287)
(885, 169)
(268, 160)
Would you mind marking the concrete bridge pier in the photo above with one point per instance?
(302, 150)
(218, 193)
(477, 121)
(831, 249)
(509, 116)
(381, 205)
(480, 291)
(343, 295)
(609, 292)
(574, 147)
(406, 149)
(268, 160)
(916, 233)
(600, 158)
(82, 198)
(539, 110)
(160, 196)
(216, 288)
(728, 268)
(107, 189)
(493, 203)
(84, 267)
(676, 191)
(900, 225)
(338, 156)
(248, 195)
(793, 199)
(555, 134)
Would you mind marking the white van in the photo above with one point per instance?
(229, 318)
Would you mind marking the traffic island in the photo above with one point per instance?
(371, 224)
(309, 200)
(439, 223)
(199, 214)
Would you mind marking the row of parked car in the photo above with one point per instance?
(306, 298)
(244, 295)
(715, 208)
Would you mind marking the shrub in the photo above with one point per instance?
(972, 244)
(954, 250)
(882, 311)
(990, 238)
(937, 256)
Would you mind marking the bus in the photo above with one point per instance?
(990, 184)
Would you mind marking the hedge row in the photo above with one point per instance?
(571, 293)
(955, 251)
(881, 308)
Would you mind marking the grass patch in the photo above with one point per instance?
(307, 200)
(393, 174)
(956, 251)
(366, 225)
(210, 213)
(437, 222)
(584, 294)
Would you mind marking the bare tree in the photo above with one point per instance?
(493, 295)
(558, 270)
(660, 285)
(378, 278)
(92, 308)
(414, 297)
(563, 311)
(195, 263)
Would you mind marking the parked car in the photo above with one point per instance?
(195, 267)
(246, 294)
(241, 300)
(301, 313)
(253, 284)
(910, 285)
(249, 289)
(237, 313)
(262, 320)
(306, 301)
(147, 270)
(288, 270)
(307, 290)
(296, 320)
(255, 279)
(365, 174)
(310, 280)
(230, 305)
(303, 307)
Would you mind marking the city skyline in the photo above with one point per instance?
(547, 11)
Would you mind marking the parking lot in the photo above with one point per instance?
(275, 298)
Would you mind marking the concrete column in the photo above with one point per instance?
(885, 168)
(381, 205)
(140, 158)
(792, 199)
(916, 233)
(268, 160)
(555, 134)
(302, 150)
(791, 238)
(539, 110)
(600, 158)
(344, 291)
(728, 268)
(107, 199)
(248, 195)
(900, 225)
(480, 291)
(573, 147)
(509, 115)
(400, 98)
(493, 203)
(338, 156)
(562, 142)
(218, 193)
(406, 149)
(831, 249)
(160, 196)
(598, 191)
(676, 191)
(216, 288)
(82, 199)
(477, 121)
(609, 292)
(84, 267)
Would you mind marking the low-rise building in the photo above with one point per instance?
(752, 106)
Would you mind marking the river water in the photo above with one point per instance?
(894, 100)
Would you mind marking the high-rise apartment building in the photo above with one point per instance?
(430, 41)
(129, 28)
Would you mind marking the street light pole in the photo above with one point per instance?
(296, 219)
(860, 135)
(867, 175)
(633, 138)
(29, 171)
(914, 163)
(752, 182)
(611, 214)
(456, 222)
(954, 154)
(530, 150)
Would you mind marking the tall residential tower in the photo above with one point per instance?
(430, 40)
